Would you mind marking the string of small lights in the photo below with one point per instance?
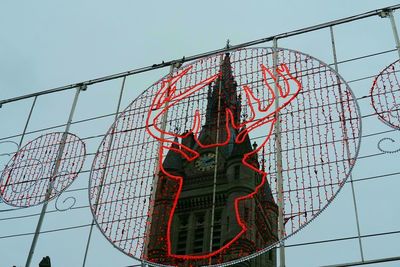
(178, 121)
(113, 114)
(368, 178)
(327, 116)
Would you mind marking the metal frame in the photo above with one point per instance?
(82, 86)
(163, 64)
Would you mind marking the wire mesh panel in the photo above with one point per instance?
(151, 187)
(385, 95)
(42, 169)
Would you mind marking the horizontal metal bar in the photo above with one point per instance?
(163, 64)
(342, 239)
(357, 263)
(340, 265)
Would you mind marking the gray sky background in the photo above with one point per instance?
(45, 44)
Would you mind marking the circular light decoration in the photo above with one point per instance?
(32, 173)
(186, 176)
(385, 95)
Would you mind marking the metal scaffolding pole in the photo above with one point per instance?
(27, 122)
(367, 262)
(278, 150)
(107, 157)
(216, 160)
(54, 173)
(348, 150)
(394, 28)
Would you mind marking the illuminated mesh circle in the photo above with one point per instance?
(30, 173)
(385, 95)
(320, 134)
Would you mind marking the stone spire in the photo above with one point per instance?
(173, 161)
(229, 98)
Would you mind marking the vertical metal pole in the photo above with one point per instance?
(157, 167)
(54, 173)
(109, 151)
(22, 135)
(27, 122)
(163, 127)
(395, 32)
(348, 150)
(216, 161)
(278, 149)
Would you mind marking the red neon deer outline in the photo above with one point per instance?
(166, 97)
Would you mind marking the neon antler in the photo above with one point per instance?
(167, 97)
(286, 92)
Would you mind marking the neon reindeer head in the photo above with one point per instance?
(281, 86)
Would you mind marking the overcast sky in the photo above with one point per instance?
(46, 44)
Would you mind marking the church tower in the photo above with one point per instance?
(205, 217)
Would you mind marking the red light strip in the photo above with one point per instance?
(165, 95)
(315, 161)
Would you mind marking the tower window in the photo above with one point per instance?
(181, 248)
(183, 220)
(217, 230)
(198, 233)
(182, 234)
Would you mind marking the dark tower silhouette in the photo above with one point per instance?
(190, 231)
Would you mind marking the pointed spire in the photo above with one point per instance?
(228, 90)
(188, 141)
(242, 148)
(173, 161)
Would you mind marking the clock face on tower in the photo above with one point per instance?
(205, 162)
